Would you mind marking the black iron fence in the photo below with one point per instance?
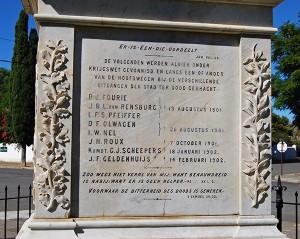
(279, 206)
(8, 200)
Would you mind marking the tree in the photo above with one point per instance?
(33, 43)
(4, 105)
(22, 90)
(3, 74)
(281, 130)
(4, 91)
(286, 81)
(296, 139)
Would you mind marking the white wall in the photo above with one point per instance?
(13, 154)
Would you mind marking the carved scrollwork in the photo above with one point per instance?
(258, 109)
(51, 182)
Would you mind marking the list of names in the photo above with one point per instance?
(157, 120)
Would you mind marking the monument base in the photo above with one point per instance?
(150, 228)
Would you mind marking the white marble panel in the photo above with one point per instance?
(157, 122)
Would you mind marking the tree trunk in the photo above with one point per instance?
(23, 155)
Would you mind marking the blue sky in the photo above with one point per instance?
(288, 10)
(9, 16)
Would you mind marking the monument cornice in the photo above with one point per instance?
(272, 3)
(30, 6)
(154, 24)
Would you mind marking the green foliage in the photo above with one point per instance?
(22, 92)
(281, 130)
(297, 143)
(286, 81)
(4, 88)
(30, 91)
(4, 105)
(3, 74)
(296, 139)
(20, 88)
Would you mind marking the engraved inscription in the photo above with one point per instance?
(156, 122)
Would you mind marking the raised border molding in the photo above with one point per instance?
(154, 228)
(31, 6)
(42, 224)
(154, 25)
(271, 3)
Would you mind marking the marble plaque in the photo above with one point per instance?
(158, 128)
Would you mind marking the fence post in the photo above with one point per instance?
(296, 197)
(18, 210)
(18, 198)
(5, 211)
(30, 201)
(279, 202)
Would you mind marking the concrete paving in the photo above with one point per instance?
(13, 214)
(4, 164)
(290, 170)
(289, 178)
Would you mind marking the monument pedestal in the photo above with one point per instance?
(50, 229)
(153, 228)
(153, 120)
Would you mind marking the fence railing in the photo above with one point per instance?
(279, 205)
(296, 211)
(17, 198)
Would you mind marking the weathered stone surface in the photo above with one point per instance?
(153, 120)
(157, 123)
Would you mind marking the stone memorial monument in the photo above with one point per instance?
(152, 119)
